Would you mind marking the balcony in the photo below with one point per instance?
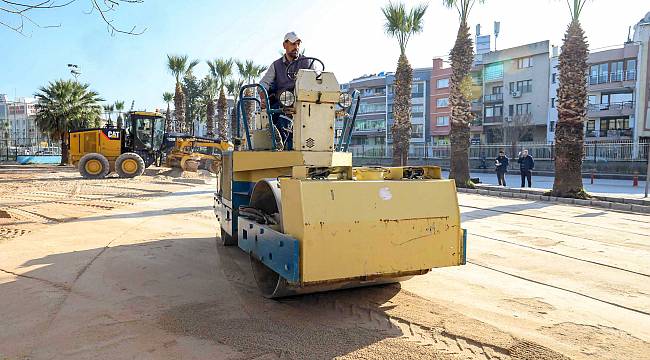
(624, 108)
(493, 120)
(615, 133)
(613, 77)
(493, 98)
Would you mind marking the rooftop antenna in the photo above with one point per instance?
(497, 28)
(629, 39)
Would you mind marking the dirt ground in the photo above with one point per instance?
(129, 269)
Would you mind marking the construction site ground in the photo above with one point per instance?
(130, 269)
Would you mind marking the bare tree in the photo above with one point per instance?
(20, 13)
(517, 129)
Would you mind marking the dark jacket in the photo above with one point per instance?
(526, 163)
(503, 163)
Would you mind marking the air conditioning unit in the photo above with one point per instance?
(516, 94)
(507, 118)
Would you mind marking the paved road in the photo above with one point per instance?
(148, 281)
(600, 186)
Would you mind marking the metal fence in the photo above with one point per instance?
(10, 148)
(593, 150)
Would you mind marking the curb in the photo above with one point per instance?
(617, 204)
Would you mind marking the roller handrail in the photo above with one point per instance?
(242, 114)
(349, 124)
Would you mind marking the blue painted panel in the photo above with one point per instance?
(464, 247)
(38, 159)
(241, 195)
(278, 251)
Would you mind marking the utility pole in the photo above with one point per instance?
(647, 175)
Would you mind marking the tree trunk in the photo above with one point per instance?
(64, 149)
(179, 109)
(209, 113)
(571, 107)
(462, 56)
(250, 108)
(401, 128)
(233, 122)
(168, 120)
(222, 113)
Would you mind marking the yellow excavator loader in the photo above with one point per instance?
(192, 152)
(310, 221)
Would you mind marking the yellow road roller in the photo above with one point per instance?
(309, 220)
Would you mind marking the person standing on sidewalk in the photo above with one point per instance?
(501, 163)
(526, 165)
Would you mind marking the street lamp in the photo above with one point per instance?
(74, 70)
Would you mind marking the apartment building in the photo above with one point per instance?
(17, 121)
(439, 103)
(642, 100)
(554, 82)
(515, 93)
(375, 115)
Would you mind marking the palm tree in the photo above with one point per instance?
(209, 92)
(232, 87)
(168, 97)
(119, 106)
(109, 108)
(221, 69)
(178, 65)
(402, 24)
(462, 56)
(66, 105)
(249, 72)
(571, 107)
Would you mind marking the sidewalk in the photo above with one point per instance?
(604, 187)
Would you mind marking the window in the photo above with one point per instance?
(417, 111)
(617, 71)
(552, 102)
(442, 102)
(369, 125)
(372, 108)
(497, 90)
(604, 98)
(523, 63)
(630, 69)
(442, 121)
(417, 89)
(525, 86)
(489, 111)
(592, 100)
(621, 98)
(591, 125)
(496, 110)
(593, 74)
(442, 83)
(553, 78)
(417, 130)
(551, 126)
(511, 110)
(493, 72)
(523, 109)
(603, 70)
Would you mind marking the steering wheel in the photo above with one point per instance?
(293, 67)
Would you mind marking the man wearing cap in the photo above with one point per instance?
(276, 80)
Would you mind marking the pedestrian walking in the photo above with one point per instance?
(526, 165)
(501, 163)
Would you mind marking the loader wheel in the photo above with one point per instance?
(94, 166)
(129, 165)
(188, 164)
(227, 240)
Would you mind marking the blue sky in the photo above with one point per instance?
(347, 35)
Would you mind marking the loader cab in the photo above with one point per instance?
(144, 132)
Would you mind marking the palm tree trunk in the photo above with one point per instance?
(210, 118)
(64, 149)
(179, 108)
(401, 127)
(233, 122)
(168, 120)
(250, 108)
(222, 111)
(572, 99)
(462, 56)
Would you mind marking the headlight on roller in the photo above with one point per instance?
(287, 98)
(345, 100)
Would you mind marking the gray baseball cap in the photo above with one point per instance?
(291, 36)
